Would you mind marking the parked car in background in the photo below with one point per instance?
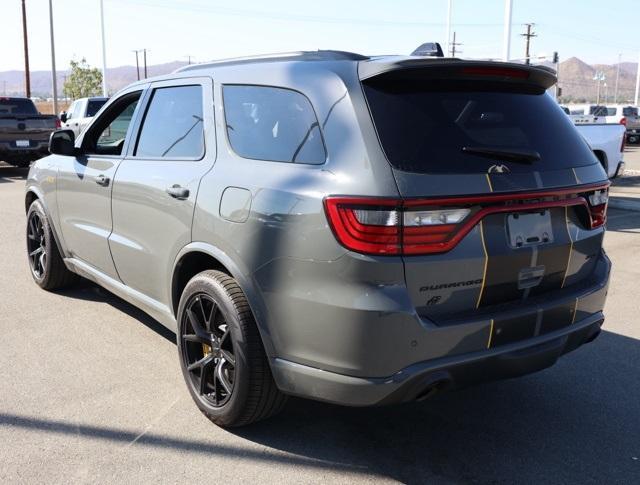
(627, 116)
(78, 115)
(24, 133)
(357, 230)
(607, 140)
(623, 114)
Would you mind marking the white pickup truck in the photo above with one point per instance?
(607, 140)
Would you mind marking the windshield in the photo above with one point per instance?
(462, 127)
(93, 106)
(17, 106)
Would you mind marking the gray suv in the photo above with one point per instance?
(357, 230)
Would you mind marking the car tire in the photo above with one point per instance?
(221, 353)
(45, 263)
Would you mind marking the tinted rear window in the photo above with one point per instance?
(274, 124)
(629, 111)
(94, 105)
(423, 127)
(13, 106)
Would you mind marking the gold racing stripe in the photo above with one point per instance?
(575, 311)
(566, 221)
(490, 334)
(489, 182)
(486, 263)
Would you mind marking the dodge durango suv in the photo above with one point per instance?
(357, 230)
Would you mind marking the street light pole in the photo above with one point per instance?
(615, 92)
(506, 38)
(635, 99)
(144, 53)
(104, 52)
(448, 47)
(54, 80)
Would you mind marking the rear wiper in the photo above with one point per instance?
(514, 155)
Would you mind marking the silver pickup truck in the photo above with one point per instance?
(24, 133)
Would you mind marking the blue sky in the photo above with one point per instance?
(594, 30)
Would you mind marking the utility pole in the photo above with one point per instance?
(447, 46)
(104, 52)
(556, 63)
(615, 92)
(528, 34)
(54, 81)
(137, 63)
(188, 59)
(506, 37)
(145, 62)
(453, 46)
(27, 75)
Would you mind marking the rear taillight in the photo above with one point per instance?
(365, 225)
(58, 125)
(371, 225)
(623, 121)
(598, 201)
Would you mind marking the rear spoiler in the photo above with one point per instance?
(442, 69)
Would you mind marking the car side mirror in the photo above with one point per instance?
(63, 116)
(62, 142)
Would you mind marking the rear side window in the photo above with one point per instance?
(275, 124)
(93, 106)
(429, 127)
(173, 124)
(17, 106)
(629, 111)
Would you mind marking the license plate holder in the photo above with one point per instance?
(529, 229)
(22, 143)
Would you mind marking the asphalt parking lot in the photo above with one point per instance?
(91, 391)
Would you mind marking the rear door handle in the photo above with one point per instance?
(102, 180)
(178, 192)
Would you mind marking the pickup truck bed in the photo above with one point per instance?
(24, 133)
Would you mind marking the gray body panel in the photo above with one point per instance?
(328, 317)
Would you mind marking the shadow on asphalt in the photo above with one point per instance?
(10, 174)
(89, 291)
(623, 221)
(574, 423)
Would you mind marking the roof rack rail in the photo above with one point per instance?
(319, 55)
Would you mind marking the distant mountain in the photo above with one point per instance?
(578, 85)
(12, 82)
(575, 79)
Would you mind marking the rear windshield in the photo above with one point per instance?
(17, 106)
(93, 106)
(629, 111)
(433, 127)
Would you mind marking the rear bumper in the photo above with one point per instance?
(422, 379)
(36, 150)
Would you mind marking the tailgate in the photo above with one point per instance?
(504, 201)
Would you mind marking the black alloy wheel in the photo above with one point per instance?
(36, 245)
(208, 350)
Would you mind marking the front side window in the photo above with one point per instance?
(173, 124)
(107, 135)
(274, 124)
